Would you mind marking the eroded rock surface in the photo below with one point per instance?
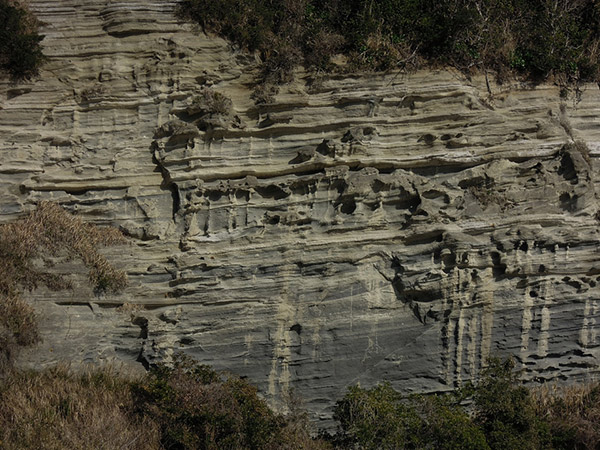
(359, 229)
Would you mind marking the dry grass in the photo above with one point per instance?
(380, 53)
(50, 231)
(297, 431)
(58, 409)
(130, 308)
(186, 407)
(26, 247)
(18, 328)
(573, 413)
(211, 102)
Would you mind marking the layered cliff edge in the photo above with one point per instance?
(361, 228)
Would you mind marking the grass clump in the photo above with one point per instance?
(211, 110)
(49, 231)
(540, 39)
(573, 414)
(59, 409)
(20, 50)
(30, 245)
(210, 102)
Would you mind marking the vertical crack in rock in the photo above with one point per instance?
(142, 322)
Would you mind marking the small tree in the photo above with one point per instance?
(378, 418)
(505, 409)
(20, 50)
(198, 408)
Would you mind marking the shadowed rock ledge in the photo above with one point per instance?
(361, 228)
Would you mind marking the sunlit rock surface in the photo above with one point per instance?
(361, 228)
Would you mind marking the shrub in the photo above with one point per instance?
(448, 426)
(188, 406)
(210, 102)
(381, 418)
(320, 47)
(505, 410)
(378, 419)
(280, 61)
(264, 93)
(191, 406)
(20, 50)
(502, 414)
(198, 408)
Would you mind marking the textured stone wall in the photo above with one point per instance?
(361, 228)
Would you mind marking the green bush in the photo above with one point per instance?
(381, 418)
(448, 426)
(496, 413)
(20, 50)
(505, 409)
(378, 418)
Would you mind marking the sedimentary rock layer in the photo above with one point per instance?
(360, 228)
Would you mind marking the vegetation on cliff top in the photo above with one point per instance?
(20, 50)
(535, 38)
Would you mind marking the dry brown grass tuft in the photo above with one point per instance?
(18, 318)
(573, 413)
(57, 409)
(130, 308)
(50, 231)
(210, 102)
(26, 246)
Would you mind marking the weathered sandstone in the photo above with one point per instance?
(361, 228)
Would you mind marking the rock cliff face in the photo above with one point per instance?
(360, 228)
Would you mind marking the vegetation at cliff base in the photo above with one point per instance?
(537, 39)
(183, 406)
(187, 405)
(20, 50)
(60, 409)
(381, 418)
(496, 413)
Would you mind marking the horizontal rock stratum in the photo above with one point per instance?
(361, 228)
